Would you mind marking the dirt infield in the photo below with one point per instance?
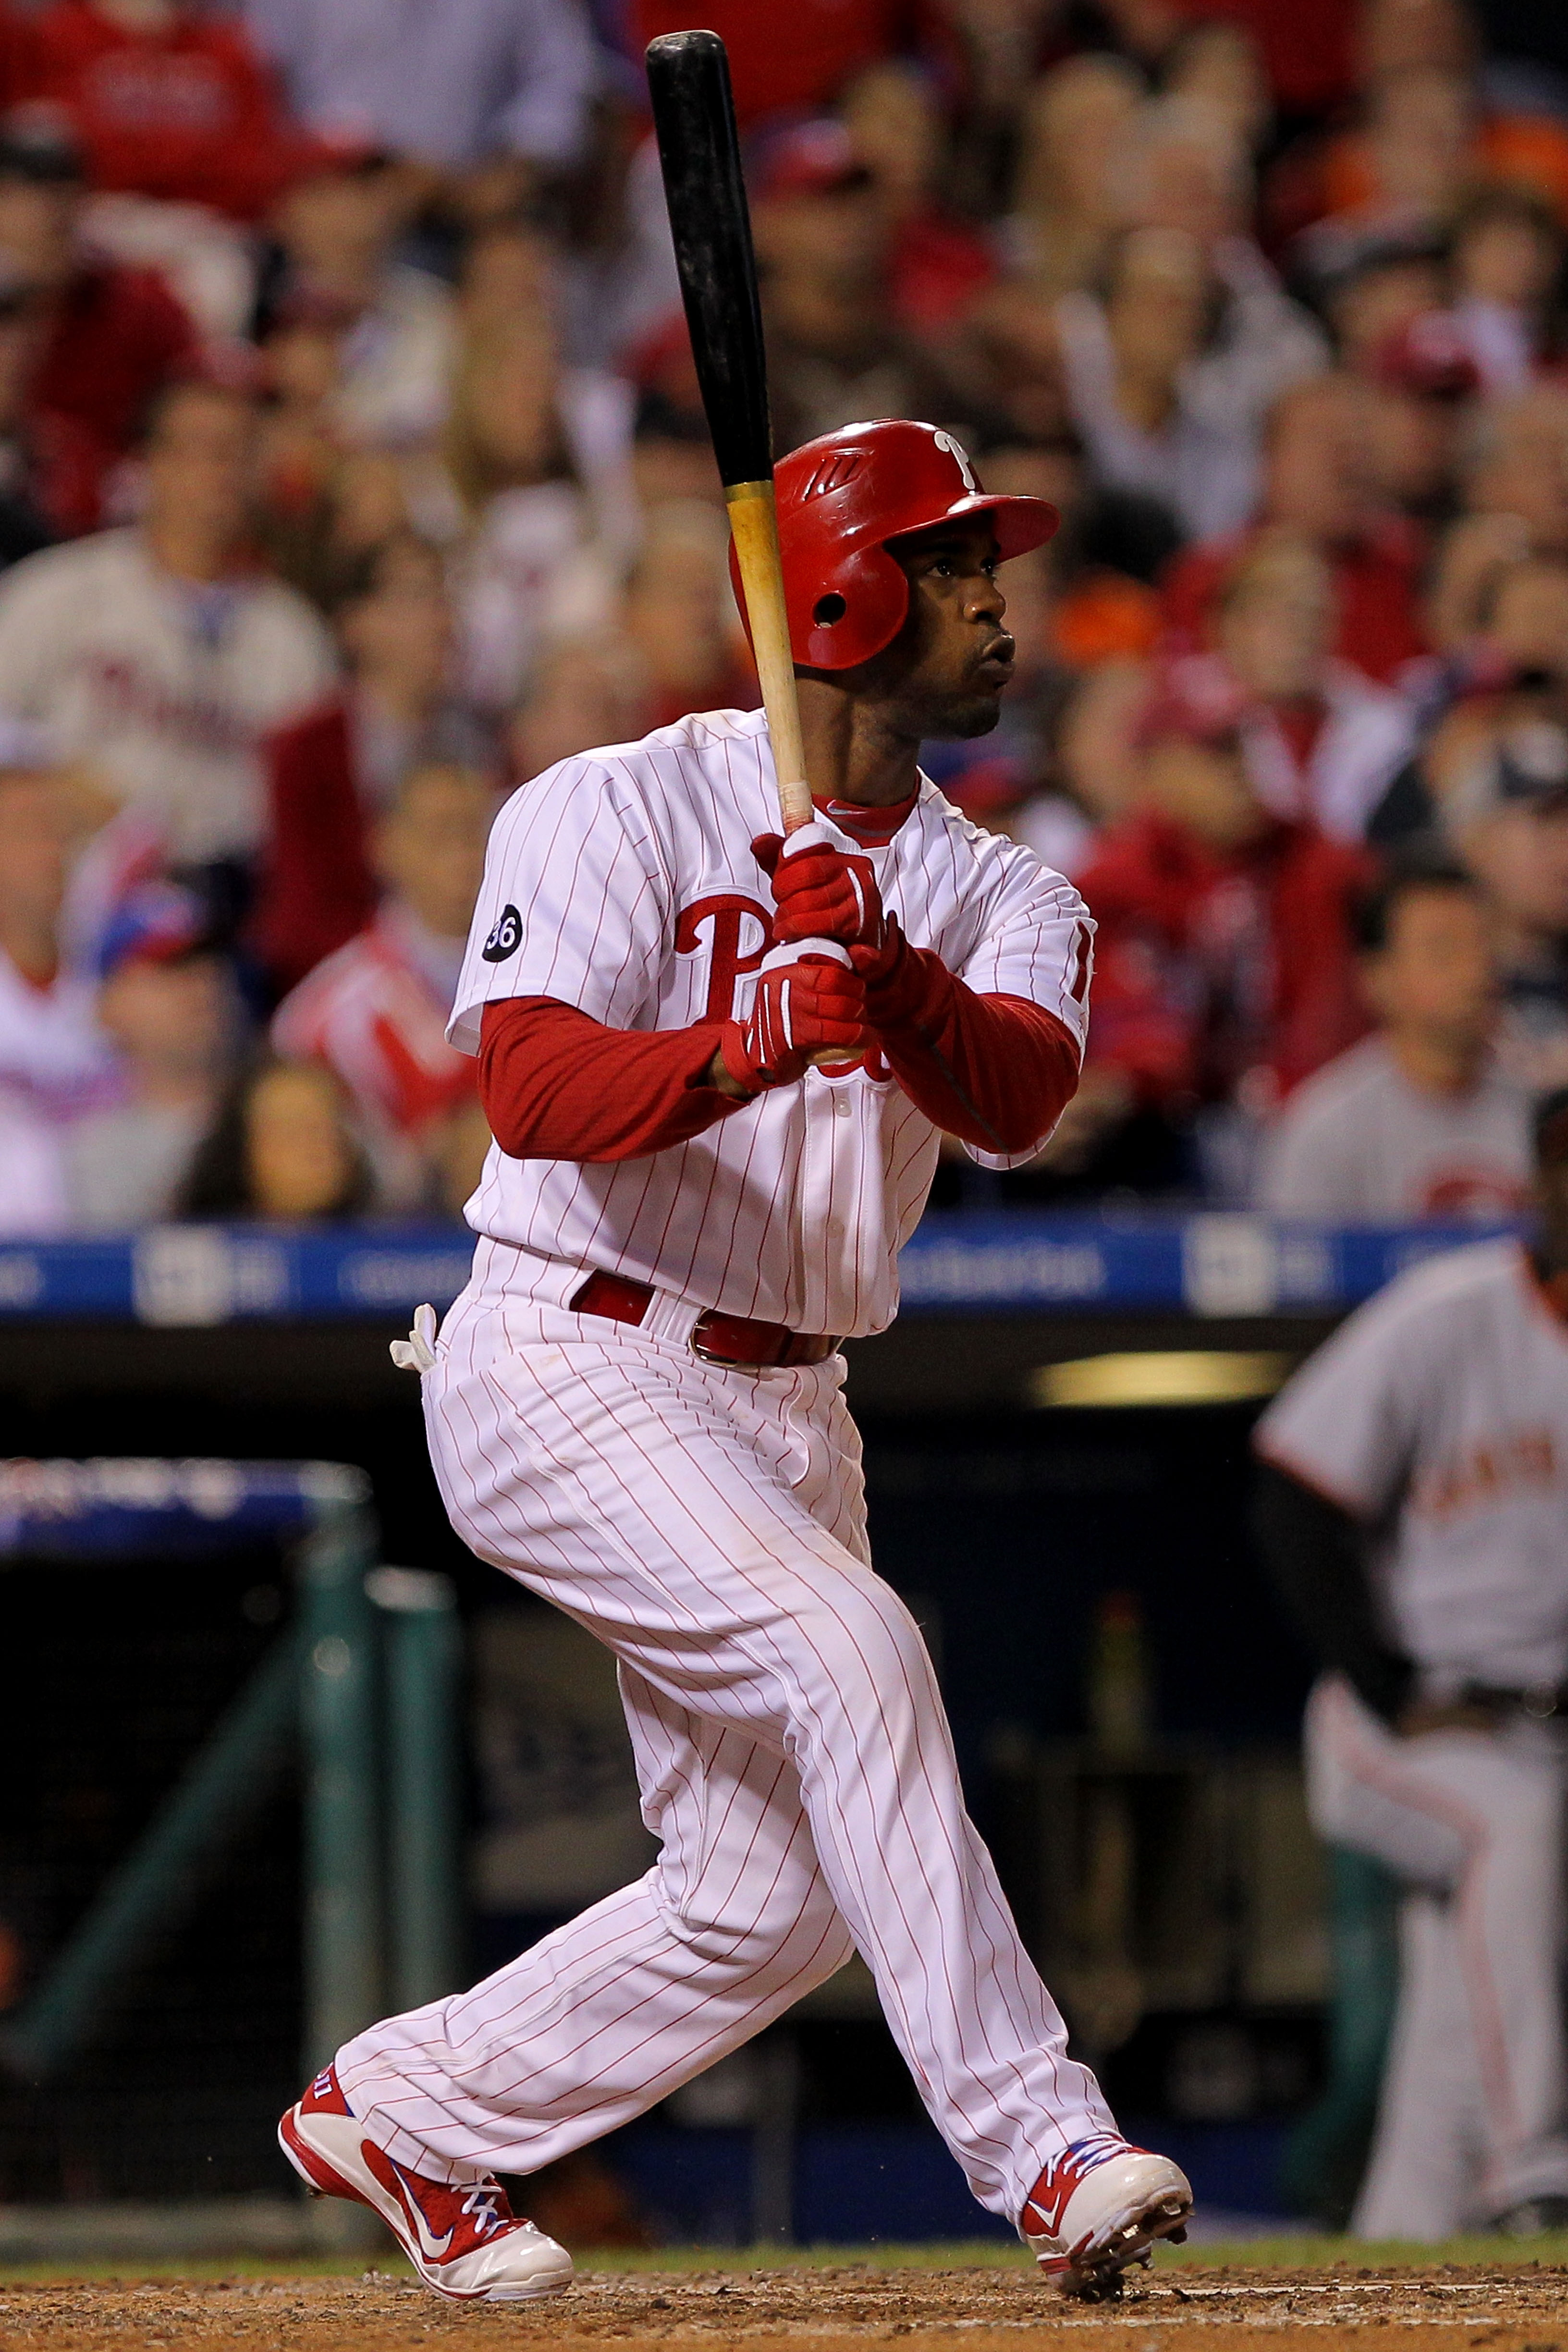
(1504, 2307)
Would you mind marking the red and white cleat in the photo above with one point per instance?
(465, 2242)
(1099, 2207)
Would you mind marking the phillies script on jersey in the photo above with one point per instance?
(623, 883)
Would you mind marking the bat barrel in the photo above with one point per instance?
(699, 154)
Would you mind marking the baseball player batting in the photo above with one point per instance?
(716, 1062)
(1411, 1503)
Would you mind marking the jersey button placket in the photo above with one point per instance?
(819, 1151)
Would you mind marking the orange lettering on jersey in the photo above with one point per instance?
(738, 934)
(1535, 1455)
(1526, 1457)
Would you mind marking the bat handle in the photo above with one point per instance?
(754, 524)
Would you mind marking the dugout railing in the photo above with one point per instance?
(360, 1685)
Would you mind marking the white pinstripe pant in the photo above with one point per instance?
(792, 1749)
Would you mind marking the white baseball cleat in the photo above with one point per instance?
(465, 2242)
(1098, 2207)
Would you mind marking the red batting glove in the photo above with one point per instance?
(899, 979)
(818, 893)
(812, 1006)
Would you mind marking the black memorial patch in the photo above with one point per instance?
(506, 938)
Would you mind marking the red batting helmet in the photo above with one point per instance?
(843, 498)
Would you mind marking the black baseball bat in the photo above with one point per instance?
(699, 155)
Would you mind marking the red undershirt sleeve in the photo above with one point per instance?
(996, 1071)
(556, 1084)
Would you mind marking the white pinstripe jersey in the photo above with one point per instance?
(623, 882)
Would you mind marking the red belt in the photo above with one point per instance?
(716, 1339)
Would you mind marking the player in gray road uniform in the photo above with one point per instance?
(1413, 1506)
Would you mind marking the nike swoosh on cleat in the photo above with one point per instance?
(432, 2248)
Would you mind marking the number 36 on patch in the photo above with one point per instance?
(506, 938)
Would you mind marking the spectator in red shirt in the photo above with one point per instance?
(1317, 481)
(167, 102)
(1223, 964)
(1324, 741)
(335, 769)
(375, 1012)
(111, 337)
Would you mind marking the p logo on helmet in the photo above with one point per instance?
(842, 498)
(956, 451)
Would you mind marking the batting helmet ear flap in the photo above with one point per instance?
(843, 623)
(861, 613)
(841, 499)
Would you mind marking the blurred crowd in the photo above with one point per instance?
(352, 471)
